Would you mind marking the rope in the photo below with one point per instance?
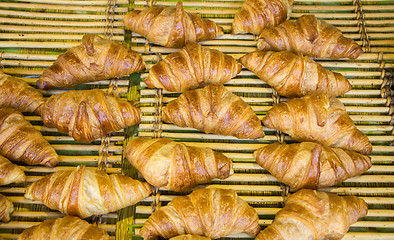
(366, 44)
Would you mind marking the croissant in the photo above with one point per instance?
(256, 15)
(309, 214)
(311, 165)
(66, 228)
(165, 163)
(294, 75)
(214, 109)
(85, 192)
(213, 213)
(191, 67)
(20, 141)
(6, 208)
(311, 37)
(16, 93)
(171, 26)
(318, 118)
(189, 237)
(93, 60)
(10, 173)
(88, 114)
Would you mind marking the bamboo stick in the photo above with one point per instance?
(73, 2)
(22, 224)
(77, 16)
(52, 214)
(28, 21)
(15, 236)
(67, 7)
(20, 32)
(41, 169)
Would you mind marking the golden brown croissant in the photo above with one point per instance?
(6, 208)
(318, 118)
(66, 228)
(213, 213)
(18, 94)
(214, 109)
(171, 26)
(20, 141)
(256, 15)
(192, 67)
(10, 173)
(189, 237)
(165, 163)
(88, 114)
(95, 59)
(85, 192)
(311, 37)
(294, 75)
(311, 165)
(309, 214)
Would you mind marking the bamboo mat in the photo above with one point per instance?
(33, 34)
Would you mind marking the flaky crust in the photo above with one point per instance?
(10, 173)
(309, 214)
(18, 94)
(84, 192)
(256, 15)
(318, 118)
(294, 75)
(66, 228)
(6, 208)
(171, 26)
(311, 37)
(311, 165)
(20, 141)
(214, 109)
(192, 67)
(213, 213)
(88, 114)
(175, 166)
(93, 60)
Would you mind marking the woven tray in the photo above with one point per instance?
(33, 34)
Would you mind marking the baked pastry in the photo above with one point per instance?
(84, 192)
(213, 213)
(189, 237)
(6, 208)
(66, 228)
(311, 165)
(318, 118)
(175, 166)
(21, 142)
(311, 37)
(192, 67)
(214, 109)
(309, 214)
(93, 60)
(294, 75)
(171, 26)
(256, 15)
(18, 94)
(10, 173)
(88, 114)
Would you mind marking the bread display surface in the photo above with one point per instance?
(318, 118)
(311, 165)
(213, 213)
(18, 94)
(311, 37)
(309, 214)
(21, 142)
(66, 228)
(214, 109)
(295, 75)
(257, 15)
(93, 60)
(175, 166)
(191, 67)
(189, 237)
(84, 192)
(171, 26)
(88, 114)
(10, 173)
(6, 208)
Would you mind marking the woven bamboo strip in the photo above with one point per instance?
(85, 8)
(20, 224)
(57, 29)
(36, 169)
(15, 236)
(73, 2)
(90, 159)
(52, 214)
(57, 15)
(27, 21)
